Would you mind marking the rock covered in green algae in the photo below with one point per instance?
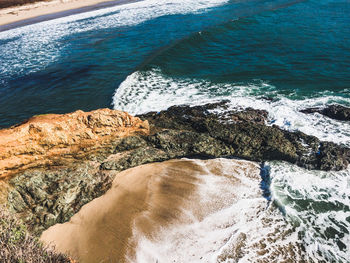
(45, 197)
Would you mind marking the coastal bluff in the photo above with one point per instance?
(53, 139)
(52, 165)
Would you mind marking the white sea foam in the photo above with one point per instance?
(326, 195)
(226, 220)
(152, 91)
(318, 202)
(20, 52)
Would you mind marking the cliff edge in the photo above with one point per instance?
(54, 139)
(52, 165)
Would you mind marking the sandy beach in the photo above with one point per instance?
(152, 201)
(32, 13)
(146, 197)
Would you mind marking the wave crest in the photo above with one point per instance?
(145, 91)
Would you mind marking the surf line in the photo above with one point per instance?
(65, 13)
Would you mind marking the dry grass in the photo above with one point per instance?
(18, 246)
(9, 3)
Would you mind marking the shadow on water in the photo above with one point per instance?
(265, 181)
(265, 186)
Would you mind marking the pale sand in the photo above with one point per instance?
(29, 11)
(142, 200)
(142, 195)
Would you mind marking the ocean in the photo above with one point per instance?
(278, 55)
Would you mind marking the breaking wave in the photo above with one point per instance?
(20, 46)
(318, 205)
(153, 91)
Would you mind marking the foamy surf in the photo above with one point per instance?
(142, 92)
(180, 211)
(20, 45)
(226, 220)
(314, 206)
(318, 204)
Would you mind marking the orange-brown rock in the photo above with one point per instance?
(46, 139)
(74, 158)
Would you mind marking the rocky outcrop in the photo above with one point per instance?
(44, 197)
(240, 134)
(53, 191)
(334, 111)
(49, 165)
(54, 139)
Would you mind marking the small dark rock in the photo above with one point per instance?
(334, 111)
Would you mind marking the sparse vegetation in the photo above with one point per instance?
(9, 3)
(18, 246)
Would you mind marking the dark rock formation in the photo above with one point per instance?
(52, 194)
(334, 111)
(45, 197)
(244, 134)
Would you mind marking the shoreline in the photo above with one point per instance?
(54, 166)
(19, 16)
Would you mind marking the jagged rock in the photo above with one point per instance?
(334, 111)
(248, 137)
(120, 162)
(187, 143)
(48, 163)
(54, 139)
(52, 192)
(130, 143)
(332, 157)
(46, 197)
(191, 118)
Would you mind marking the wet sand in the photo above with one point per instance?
(141, 196)
(42, 11)
(143, 202)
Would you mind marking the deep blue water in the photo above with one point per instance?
(299, 47)
(302, 49)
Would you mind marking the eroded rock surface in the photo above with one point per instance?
(53, 191)
(241, 134)
(54, 139)
(44, 197)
